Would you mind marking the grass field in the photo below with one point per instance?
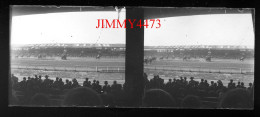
(84, 63)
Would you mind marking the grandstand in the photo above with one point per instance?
(224, 51)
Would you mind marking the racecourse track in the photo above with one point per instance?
(73, 62)
(120, 62)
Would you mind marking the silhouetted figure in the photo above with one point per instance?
(106, 88)
(98, 87)
(219, 84)
(115, 87)
(75, 83)
(86, 83)
(23, 84)
(242, 85)
(60, 84)
(158, 98)
(14, 79)
(236, 98)
(231, 85)
(250, 86)
(82, 96)
(56, 83)
(66, 86)
(40, 100)
(238, 85)
(191, 101)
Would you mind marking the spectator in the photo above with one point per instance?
(60, 84)
(75, 83)
(82, 96)
(179, 88)
(86, 83)
(250, 86)
(236, 98)
(114, 87)
(231, 85)
(185, 81)
(191, 101)
(56, 83)
(97, 87)
(220, 84)
(14, 79)
(238, 84)
(67, 85)
(23, 84)
(106, 87)
(242, 85)
(158, 98)
(94, 83)
(40, 100)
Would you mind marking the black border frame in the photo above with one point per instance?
(56, 111)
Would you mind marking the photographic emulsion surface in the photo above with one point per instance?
(138, 57)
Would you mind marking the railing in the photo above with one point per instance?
(224, 70)
(121, 69)
(102, 69)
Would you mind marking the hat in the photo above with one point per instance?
(191, 77)
(46, 76)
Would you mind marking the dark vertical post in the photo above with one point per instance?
(253, 18)
(134, 56)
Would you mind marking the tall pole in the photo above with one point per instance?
(134, 56)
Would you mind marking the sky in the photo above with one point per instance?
(80, 27)
(218, 29)
(72, 27)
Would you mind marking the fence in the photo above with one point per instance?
(121, 69)
(104, 69)
(225, 70)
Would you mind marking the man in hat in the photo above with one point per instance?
(60, 83)
(192, 82)
(75, 83)
(56, 83)
(231, 85)
(98, 87)
(67, 85)
(85, 83)
(220, 84)
(23, 83)
(106, 87)
(185, 81)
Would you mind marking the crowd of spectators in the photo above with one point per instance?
(176, 93)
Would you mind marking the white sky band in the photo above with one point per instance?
(80, 27)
